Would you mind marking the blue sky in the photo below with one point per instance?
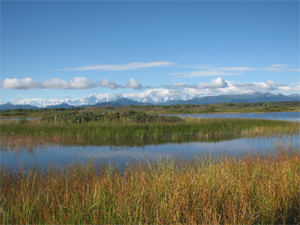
(72, 49)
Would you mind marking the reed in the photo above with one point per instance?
(253, 189)
(187, 127)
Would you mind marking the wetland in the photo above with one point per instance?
(128, 164)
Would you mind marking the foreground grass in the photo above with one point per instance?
(253, 189)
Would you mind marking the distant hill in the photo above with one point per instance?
(63, 105)
(121, 102)
(258, 97)
(253, 98)
(11, 106)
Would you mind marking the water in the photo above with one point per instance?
(120, 154)
(35, 118)
(64, 155)
(290, 116)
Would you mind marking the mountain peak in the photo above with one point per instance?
(150, 99)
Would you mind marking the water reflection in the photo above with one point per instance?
(290, 116)
(35, 118)
(65, 154)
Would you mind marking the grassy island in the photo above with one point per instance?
(136, 126)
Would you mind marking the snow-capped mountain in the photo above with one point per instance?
(151, 97)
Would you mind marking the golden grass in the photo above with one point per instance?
(253, 189)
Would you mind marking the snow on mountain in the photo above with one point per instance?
(150, 96)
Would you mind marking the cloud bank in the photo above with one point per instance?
(56, 83)
(220, 86)
(132, 83)
(176, 91)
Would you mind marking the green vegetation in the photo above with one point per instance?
(140, 126)
(253, 189)
(110, 117)
(241, 107)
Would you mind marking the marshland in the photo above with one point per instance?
(135, 165)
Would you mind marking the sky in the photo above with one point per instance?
(56, 50)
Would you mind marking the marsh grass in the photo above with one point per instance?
(169, 130)
(252, 189)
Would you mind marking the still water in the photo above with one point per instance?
(64, 155)
(290, 116)
(120, 154)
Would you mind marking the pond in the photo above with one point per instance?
(290, 116)
(64, 155)
(121, 153)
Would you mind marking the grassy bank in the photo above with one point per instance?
(240, 107)
(253, 189)
(195, 127)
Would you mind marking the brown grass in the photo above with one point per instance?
(253, 189)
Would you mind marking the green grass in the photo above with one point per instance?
(253, 189)
(241, 107)
(194, 127)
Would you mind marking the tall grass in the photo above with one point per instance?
(190, 126)
(253, 189)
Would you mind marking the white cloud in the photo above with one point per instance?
(55, 83)
(215, 83)
(156, 95)
(242, 69)
(109, 84)
(208, 70)
(133, 83)
(121, 67)
(276, 68)
(220, 86)
(212, 73)
(180, 85)
(297, 89)
(183, 92)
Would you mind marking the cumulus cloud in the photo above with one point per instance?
(176, 91)
(121, 67)
(223, 87)
(155, 95)
(133, 83)
(109, 84)
(220, 86)
(75, 83)
(215, 83)
(55, 83)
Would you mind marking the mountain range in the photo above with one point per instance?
(121, 101)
